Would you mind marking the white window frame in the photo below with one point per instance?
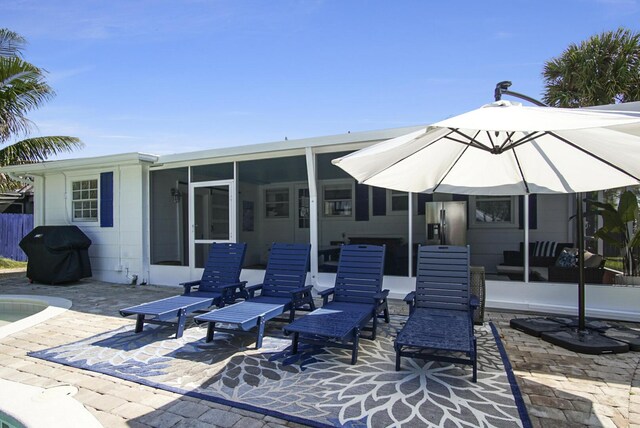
(338, 186)
(72, 201)
(485, 225)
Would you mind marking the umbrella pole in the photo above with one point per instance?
(581, 287)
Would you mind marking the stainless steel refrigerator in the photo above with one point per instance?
(446, 223)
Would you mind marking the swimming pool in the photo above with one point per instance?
(7, 421)
(20, 311)
(14, 310)
(56, 407)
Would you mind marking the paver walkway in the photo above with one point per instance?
(560, 388)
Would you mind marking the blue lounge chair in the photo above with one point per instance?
(358, 298)
(220, 284)
(440, 310)
(283, 289)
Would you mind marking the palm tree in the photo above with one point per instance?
(604, 69)
(23, 88)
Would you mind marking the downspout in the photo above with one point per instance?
(313, 214)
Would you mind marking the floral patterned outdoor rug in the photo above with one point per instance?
(317, 387)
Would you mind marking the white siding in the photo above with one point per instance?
(117, 250)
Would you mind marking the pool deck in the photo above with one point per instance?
(560, 388)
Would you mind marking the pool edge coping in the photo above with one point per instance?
(55, 307)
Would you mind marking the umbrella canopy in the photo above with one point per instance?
(505, 148)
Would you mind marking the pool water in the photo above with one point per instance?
(7, 421)
(15, 310)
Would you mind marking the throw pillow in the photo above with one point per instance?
(592, 260)
(545, 249)
(568, 258)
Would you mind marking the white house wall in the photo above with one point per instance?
(115, 251)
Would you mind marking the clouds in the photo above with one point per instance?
(95, 20)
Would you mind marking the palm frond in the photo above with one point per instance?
(7, 184)
(22, 88)
(603, 69)
(11, 43)
(37, 149)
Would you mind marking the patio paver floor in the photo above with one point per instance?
(560, 387)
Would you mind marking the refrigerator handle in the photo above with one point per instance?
(443, 222)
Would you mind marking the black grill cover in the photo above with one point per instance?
(57, 254)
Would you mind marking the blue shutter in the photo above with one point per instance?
(423, 198)
(379, 200)
(106, 199)
(362, 202)
(533, 212)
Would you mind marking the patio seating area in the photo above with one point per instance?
(548, 263)
(559, 387)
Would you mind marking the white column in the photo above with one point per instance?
(526, 238)
(410, 240)
(313, 213)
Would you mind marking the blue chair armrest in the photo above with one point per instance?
(253, 288)
(473, 305)
(474, 302)
(301, 290)
(410, 299)
(240, 285)
(325, 294)
(381, 296)
(189, 285)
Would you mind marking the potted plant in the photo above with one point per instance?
(619, 229)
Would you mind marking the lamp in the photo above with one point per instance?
(176, 194)
(503, 88)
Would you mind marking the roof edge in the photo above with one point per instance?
(67, 164)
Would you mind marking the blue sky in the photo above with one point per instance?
(167, 76)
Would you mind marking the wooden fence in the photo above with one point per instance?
(13, 227)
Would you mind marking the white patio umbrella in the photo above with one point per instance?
(505, 148)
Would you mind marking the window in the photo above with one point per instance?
(338, 201)
(85, 200)
(276, 203)
(399, 200)
(494, 210)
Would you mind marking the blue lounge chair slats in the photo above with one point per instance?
(441, 309)
(221, 272)
(220, 284)
(357, 299)
(244, 315)
(283, 289)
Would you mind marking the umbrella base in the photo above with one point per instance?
(584, 341)
(535, 326)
